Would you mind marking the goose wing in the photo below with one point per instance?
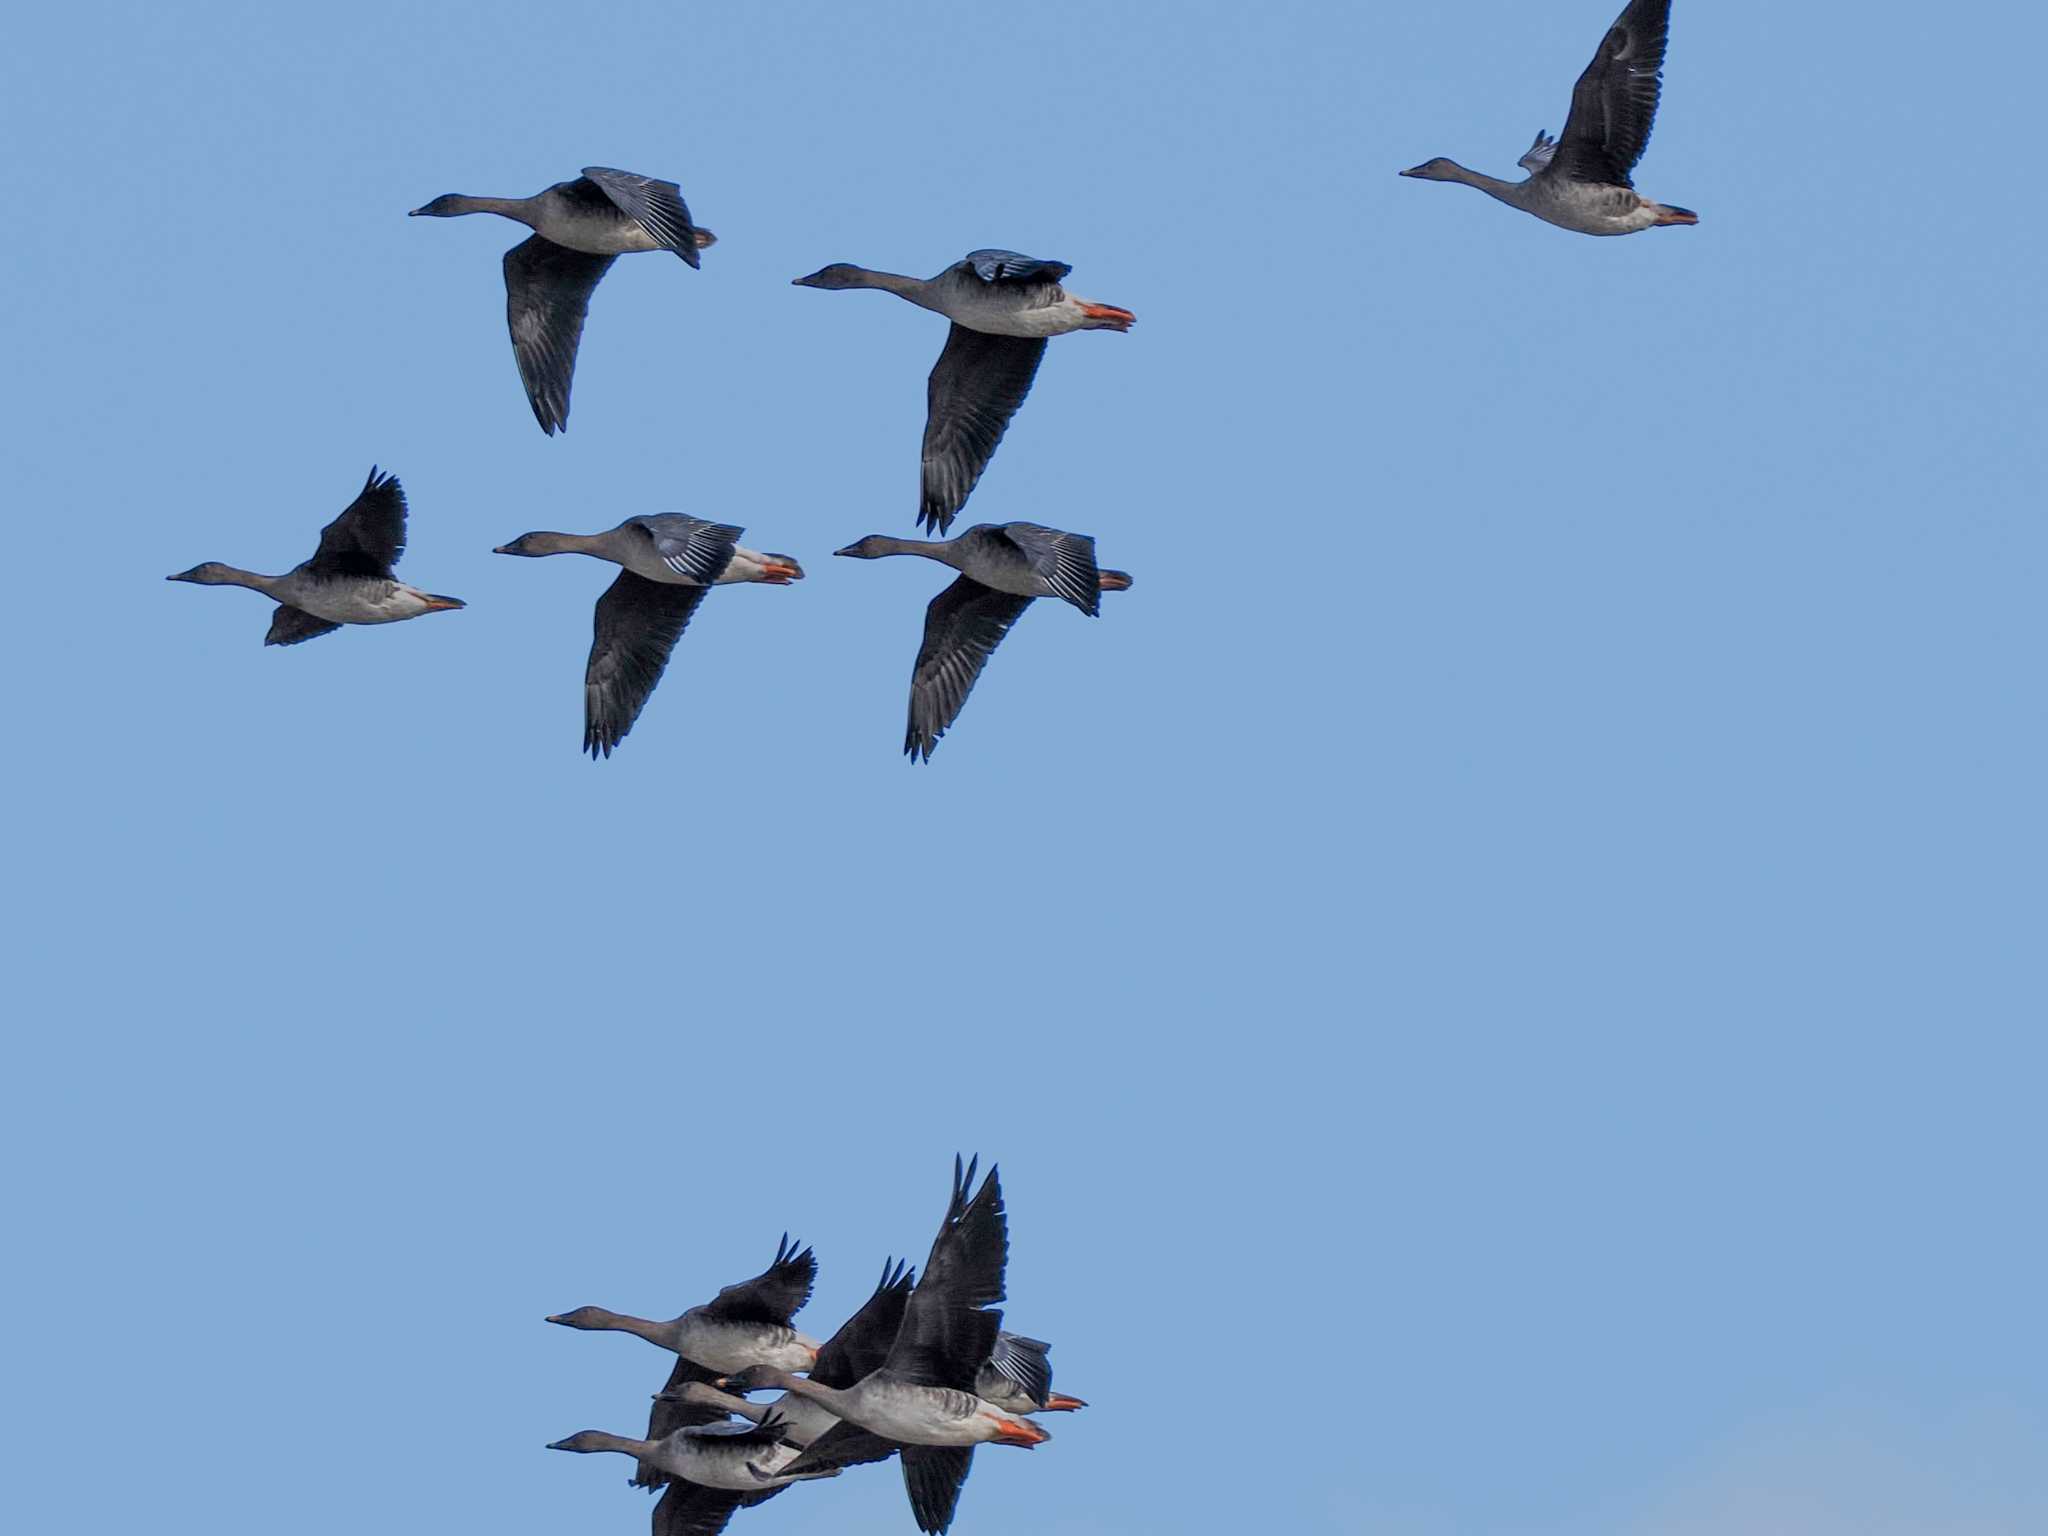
(932, 1476)
(975, 388)
(993, 266)
(547, 294)
(1024, 1364)
(689, 546)
(773, 1296)
(289, 625)
(691, 1509)
(656, 206)
(845, 1444)
(962, 627)
(1615, 101)
(638, 623)
(1064, 561)
(948, 1328)
(862, 1342)
(368, 537)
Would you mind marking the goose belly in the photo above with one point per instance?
(368, 602)
(712, 1464)
(728, 1347)
(1594, 210)
(921, 1416)
(594, 234)
(998, 311)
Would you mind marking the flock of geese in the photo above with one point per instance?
(924, 1372)
(1003, 308)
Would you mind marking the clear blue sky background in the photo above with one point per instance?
(1517, 946)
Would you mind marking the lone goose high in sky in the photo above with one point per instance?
(1580, 180)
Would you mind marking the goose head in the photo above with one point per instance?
(211, 573)
(841, 274)
(873, 547)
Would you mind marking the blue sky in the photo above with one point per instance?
(1516, 947)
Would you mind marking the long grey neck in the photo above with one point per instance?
(945, 551)
(234, 576)
(567, 544)
(599, 1440)
(1507, 191)
(919, 290)
(520, 208)
(803, 1386)
(640, 1327)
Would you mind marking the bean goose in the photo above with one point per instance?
(579, 228)
(1580, 179)
(348, 580)
(1002, 567)
(668, 562)
(1003, 307)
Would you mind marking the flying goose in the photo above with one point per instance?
(1003, 566)
(579, 228)
(1003, 307)
(921, 1402)
(668, 562)
(1580, 179)
(347, 581)
(710, 1470)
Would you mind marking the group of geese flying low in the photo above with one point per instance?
(924, 1372)
(1003, 307)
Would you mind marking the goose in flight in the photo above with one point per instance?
(1580, 179)
(1003, 567)
(1003, 307)
(710, 1470)
(579, 228)
(667, 563)
(348, 580)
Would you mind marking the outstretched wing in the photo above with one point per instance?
(289, 625)
(948, 1330)
(1615, 101)
(689, 546)
(994, 266)
(843, 1445)
(691, 1509)
(975, 388)
(932, 1476)
(1024, 1364)
(1063, 561)
(368, 537)
(638, 623)
(962, 627)
(773, 1296)
(547, 294)
(862, 1342)
(656, 206)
